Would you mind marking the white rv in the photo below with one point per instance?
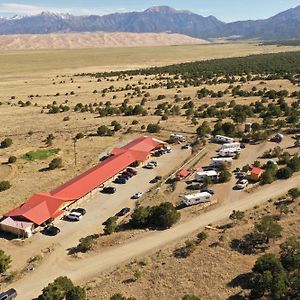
(212, 174)
(175, 138)
(230, 152)
(223, 139)
(231, 146)
(217, 161)
(195, 199)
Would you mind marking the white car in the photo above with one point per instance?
(74, 216)
(151, 165)
(241, 184)
(137, 195)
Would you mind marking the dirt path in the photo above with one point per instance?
(58, 264)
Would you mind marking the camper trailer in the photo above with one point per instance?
(195, 199)
(211, 174)
(217, 161)
(231, 146)
(221, 139)
(230, 152)
(177, 138)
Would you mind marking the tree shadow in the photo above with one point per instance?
(129, 280)
(46, 169)
(237, 296)
(242, 280)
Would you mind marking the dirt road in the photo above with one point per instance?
(84, 269)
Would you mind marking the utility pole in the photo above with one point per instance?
(75, 153)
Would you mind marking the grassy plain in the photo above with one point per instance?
(26, 63)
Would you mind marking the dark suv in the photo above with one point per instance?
(109, 190)
(50, 230)
(8, 295)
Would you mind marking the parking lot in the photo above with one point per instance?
(102, 206)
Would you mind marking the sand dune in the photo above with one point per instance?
(93, 40)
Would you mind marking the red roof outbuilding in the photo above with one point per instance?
(256, 171)
(183, 173)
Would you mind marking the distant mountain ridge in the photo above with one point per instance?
(285, 25)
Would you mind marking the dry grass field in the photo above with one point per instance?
(25, 64)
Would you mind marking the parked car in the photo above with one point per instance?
(241, 175)
(156, 179)
(9, 295)
(120, 180)
(109, 190)
(158, 153)
(168, 150)
(207, 191)
(123, 212)
(194, 186)
(51, 230)
(128, 174)
(80, 210)
(132, 171)
(241, 184)
(152, 162)
(137, 195)
(74, 216)
(149, 166)
(186, 146)
(236, 170)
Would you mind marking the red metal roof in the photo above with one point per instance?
(137, 150)
(38, 209)
(183, 173)
(256, 171)
(143, 144)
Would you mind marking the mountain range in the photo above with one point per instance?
(285, 25)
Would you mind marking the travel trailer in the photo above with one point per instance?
(231, 146)
(212, 174)
(217, 161)
(177, 138)
(195, 199)
(221, 139)
(230, 152)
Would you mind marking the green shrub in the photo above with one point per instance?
(153, 128)
(4, 185)
(55, 163)
(5, 261)
(12, 159)
(6, 143)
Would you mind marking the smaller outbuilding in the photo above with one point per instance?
(256, 174)
(21, 229)
(182, 174)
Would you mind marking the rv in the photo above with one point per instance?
(217, 161)
(230, 152)
(195, 199)
(231, 146)
(177, 138)
(221, 139)
(212, 174)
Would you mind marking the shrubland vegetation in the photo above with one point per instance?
(62, 288)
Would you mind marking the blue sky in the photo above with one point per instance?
(225, 10)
